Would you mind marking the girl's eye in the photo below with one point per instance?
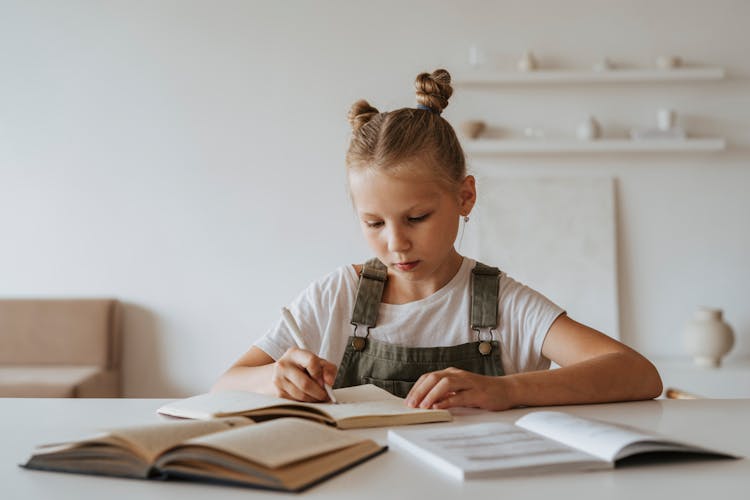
(419, 219)
(373, 224)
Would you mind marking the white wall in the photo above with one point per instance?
(187, 156)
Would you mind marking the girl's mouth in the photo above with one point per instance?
(406, 266)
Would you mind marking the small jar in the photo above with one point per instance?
(666, 119)
(527, 62)
(589, 129)
(707, 337)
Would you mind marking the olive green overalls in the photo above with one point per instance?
(396, 368)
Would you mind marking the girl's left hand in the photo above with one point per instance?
(454, 387)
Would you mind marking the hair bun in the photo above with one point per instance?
(360, 113)
(434, 89)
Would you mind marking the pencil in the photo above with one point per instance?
(297, 334)
(672, 393)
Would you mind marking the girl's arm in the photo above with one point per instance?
(593, 369)
(298, 375)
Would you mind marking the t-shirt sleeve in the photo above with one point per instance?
(311, 310)
(278, 338)
(526, 316)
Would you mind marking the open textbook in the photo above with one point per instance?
(357, 407)
(285, 454)
(542, 441)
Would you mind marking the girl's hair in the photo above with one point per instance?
(390, 140)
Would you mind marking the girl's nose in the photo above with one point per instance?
(398, 241)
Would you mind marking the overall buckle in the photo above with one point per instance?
(359, 343)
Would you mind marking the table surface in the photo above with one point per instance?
(731, 380)
(715, 423)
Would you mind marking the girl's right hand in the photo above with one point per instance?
(300, 375)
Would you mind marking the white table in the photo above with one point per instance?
(720, 424)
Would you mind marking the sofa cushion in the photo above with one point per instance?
(47, 381)
(59, 332)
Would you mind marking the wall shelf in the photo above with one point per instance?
(590, 76)
(542, 146)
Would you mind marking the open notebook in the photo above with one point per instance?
(542, 441)
(357, 407)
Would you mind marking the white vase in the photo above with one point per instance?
(707, 337)
(668, 62)
(666, 119)
(603, 65)
(527, 62)
(589, 129)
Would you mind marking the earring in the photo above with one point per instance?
(466, 219)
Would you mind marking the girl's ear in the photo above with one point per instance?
(467, 195)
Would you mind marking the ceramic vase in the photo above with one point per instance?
(668, 62)
(666, 119)
(527, 62)
(589, 129)
(708, 337)
(604, 65)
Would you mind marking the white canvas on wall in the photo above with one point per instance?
(556, 235)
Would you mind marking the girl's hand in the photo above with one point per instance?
(300, 375)
(453, 387)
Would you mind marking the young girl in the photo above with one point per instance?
(419, 319)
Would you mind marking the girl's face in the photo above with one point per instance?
(410, 221)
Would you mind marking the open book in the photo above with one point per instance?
(357, 407)
(285, 454)
(543, 441)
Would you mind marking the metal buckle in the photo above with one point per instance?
(359, 343)
(485, 346)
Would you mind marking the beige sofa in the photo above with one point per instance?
(60, 348)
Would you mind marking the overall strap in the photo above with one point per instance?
(485, 288)
(372, 280)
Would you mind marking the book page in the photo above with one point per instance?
(221, 403)
(343, 411)
(147, 441)
(364, 393)
(490, 449)
(153, 439)
(598, 438)
(276, 443)
(358, 401)
(368, 400)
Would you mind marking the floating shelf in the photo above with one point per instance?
(590, 76)
(532, 146)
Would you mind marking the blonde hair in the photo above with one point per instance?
(387, 141)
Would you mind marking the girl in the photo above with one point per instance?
(420, 320)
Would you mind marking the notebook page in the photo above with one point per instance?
(367, 400)
(364, 393)
(598, 438)
(205, 406)
(490, 449)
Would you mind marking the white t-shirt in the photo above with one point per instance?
(323, 311)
